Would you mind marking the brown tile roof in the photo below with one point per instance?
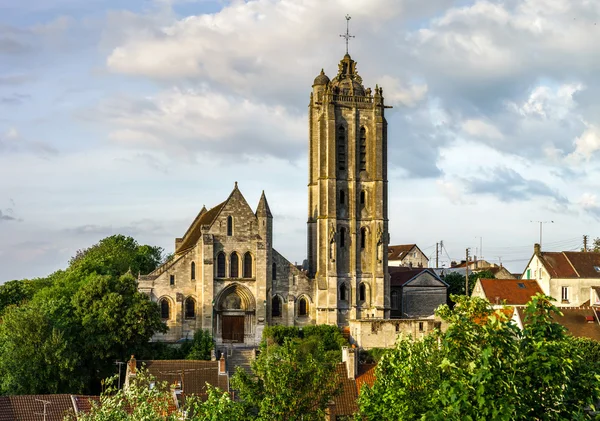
(366, 376)
(400, 251)
(557, 265)
(509, 291)
(84, 403)
(193, 233)
(571, 264)
(345, 402)
(585, 263)
(31, 407)
(574, 319)
(193, 374)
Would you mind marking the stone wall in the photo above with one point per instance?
(383, 333)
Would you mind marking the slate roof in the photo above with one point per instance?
(194, 232)
(193, 374)
(510, 291)
(31, 407)
(399, 252)
(400, 277)
(574, 319)
(571, 264)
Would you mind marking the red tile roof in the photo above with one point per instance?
(509, 291)
(366, 376)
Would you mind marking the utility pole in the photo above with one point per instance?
(437, 255)
(500, 260)
(467, 272)
(541, 224)
(585, 241)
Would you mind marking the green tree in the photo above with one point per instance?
(218, 406)
(287, 384)
(483, 367)
(594, 247)
(199, 348)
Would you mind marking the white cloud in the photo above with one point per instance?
(586, 145)
(480, 128)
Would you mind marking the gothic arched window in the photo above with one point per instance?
(363, 238)
(234, 265)
(363, 149)
(230, 226)
(302, 307)
(165, 309)
(342, 237)
(341, 148)
(247, 265)
(221, 265)
(363, 197)
(274, 272)
(343, 292)
(190, 308)
(362, 292)
(193, 270)
(276, 306)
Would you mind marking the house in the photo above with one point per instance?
(353, 376)
(416, 293)
(581, 322)
(571, 277)
(511, 292)
(479, 265)
(407, 255)
(188, 377)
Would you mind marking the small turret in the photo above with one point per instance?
(262, 210)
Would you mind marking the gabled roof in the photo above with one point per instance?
(399, 252)
(571, 264)
(193, 374)
(31, 407)
(509, 291)
(345, 402)
(194, 232)
(575, 320)
(400, 277)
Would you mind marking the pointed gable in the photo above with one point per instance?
(263, 207)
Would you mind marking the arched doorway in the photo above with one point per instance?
(236, 312)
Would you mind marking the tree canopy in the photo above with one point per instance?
(484, 368)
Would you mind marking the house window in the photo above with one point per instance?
(276, 306)
(302, 307)
(395, 305)
(234, 265)
(171, 279)
(363, 149)
(362, 292)
(274, 272)
(343, 292)
(363, 237)
(165, 309)
(193, 270)
(342, 197)
(247, 265)
(421, 327)
(343, 237)
(564, 294)
(229, 226)
(341, 148)
(221, 265)
(528, 273)
(190, 308)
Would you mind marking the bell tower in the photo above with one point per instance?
(347, 198)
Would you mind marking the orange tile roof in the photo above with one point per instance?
(366, 376)
(509, 291)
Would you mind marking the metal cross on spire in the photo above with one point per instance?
(347, 35)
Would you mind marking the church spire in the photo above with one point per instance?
(263, 207)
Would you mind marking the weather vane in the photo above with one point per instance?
(347, 35)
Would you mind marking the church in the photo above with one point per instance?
(226, 277)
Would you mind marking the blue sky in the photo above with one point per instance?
(128, 117)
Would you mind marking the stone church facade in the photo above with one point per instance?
(226, 277)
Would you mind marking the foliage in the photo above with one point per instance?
(63, 333)
(594, 247)
(134, 403)
(456, 282)
(278, 334)
(371, 356)
(17, 292)
(217, 407)
(484, 367)
(287, 384)
(199, 348)
(330, 337)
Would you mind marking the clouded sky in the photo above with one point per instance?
(127, 117)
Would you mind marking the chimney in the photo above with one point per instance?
(537, 249)
(131, 364)
(213, 355)
(130, 372)
(222, 368)
(349, 357)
